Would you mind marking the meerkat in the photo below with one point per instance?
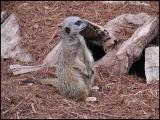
(75, 70)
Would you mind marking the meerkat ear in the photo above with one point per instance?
(60, 25)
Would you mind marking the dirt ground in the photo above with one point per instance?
(126, 96)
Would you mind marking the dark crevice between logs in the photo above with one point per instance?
(138, 68)
(97, 51)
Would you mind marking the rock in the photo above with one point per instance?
(2, 15)
(152, 63)
(91, 99)
(10, 41)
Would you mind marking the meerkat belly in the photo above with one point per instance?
(72, 84)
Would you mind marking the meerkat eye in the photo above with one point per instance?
(78, 23)
(67, 30)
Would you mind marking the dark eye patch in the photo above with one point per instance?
(67, 29)
(78, 23)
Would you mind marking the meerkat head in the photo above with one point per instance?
(72, 23)
(71, 28)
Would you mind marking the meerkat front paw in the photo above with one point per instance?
(91, 99)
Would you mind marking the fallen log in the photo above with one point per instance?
(119, 58)
(122, 21)
(50, 61)
(120, 61)
(19, 69)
